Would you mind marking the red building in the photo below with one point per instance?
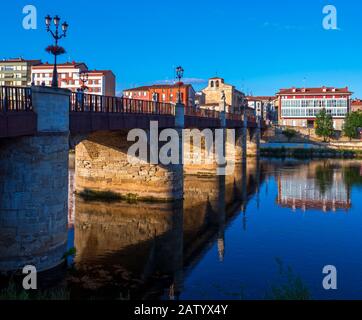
(163, 93)
(298, 107)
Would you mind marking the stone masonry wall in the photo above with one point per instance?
(102, 165)
(33, 206)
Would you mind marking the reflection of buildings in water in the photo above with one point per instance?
(301, 190)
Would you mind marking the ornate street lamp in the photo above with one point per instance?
(179, 76)
(55, 50)
(83, 77)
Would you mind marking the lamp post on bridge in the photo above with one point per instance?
(179, 76)
(55, 50)
(84, 77)
(180, 107)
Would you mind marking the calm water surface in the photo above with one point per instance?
(274, 225)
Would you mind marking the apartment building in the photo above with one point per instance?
(298, 107)
(100, 82)
(163, 93)
(16, 71)
(264, 106)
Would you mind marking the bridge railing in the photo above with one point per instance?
(15, 99)
(80, 102)
(234, 116)
(201, 112)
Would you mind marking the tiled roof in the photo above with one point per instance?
(20, 60)
(99, 71)
(322, 90)
(356, 102)
(157, 86)
(259, 98)
(66, 64)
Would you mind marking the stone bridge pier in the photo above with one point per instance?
(253, 141)
(34, 187)
(204, 154)
(102, 164)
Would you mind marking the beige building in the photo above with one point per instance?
(235, 99)
(16, 72)
(265, 107)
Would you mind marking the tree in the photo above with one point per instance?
(324, 125)
(351, 125)
(324, 177)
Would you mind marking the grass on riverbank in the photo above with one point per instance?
(12, 292)
(302, 153)
(109, 196)
(289, 286)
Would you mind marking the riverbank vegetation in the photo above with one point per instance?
(290, 134)
(290, 286)
(353, 125)
(14, 292)
(109, 196)
(303, 153)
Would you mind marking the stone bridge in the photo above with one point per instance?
(39, 125)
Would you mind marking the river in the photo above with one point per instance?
(265, 233)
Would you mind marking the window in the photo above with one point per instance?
(217, 84)
(8, 68)
(212, 84)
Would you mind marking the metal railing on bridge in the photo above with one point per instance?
(234, 116)
(201, 112)
(80, 102)
(15, 99)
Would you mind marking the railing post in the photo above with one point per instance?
(5, 99)
(180, 115)
(223, 114)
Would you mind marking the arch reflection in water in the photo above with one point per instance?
(144, 250)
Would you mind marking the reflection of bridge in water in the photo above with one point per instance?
(146, 247)
(37, 127)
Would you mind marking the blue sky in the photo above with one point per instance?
(259, 45)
